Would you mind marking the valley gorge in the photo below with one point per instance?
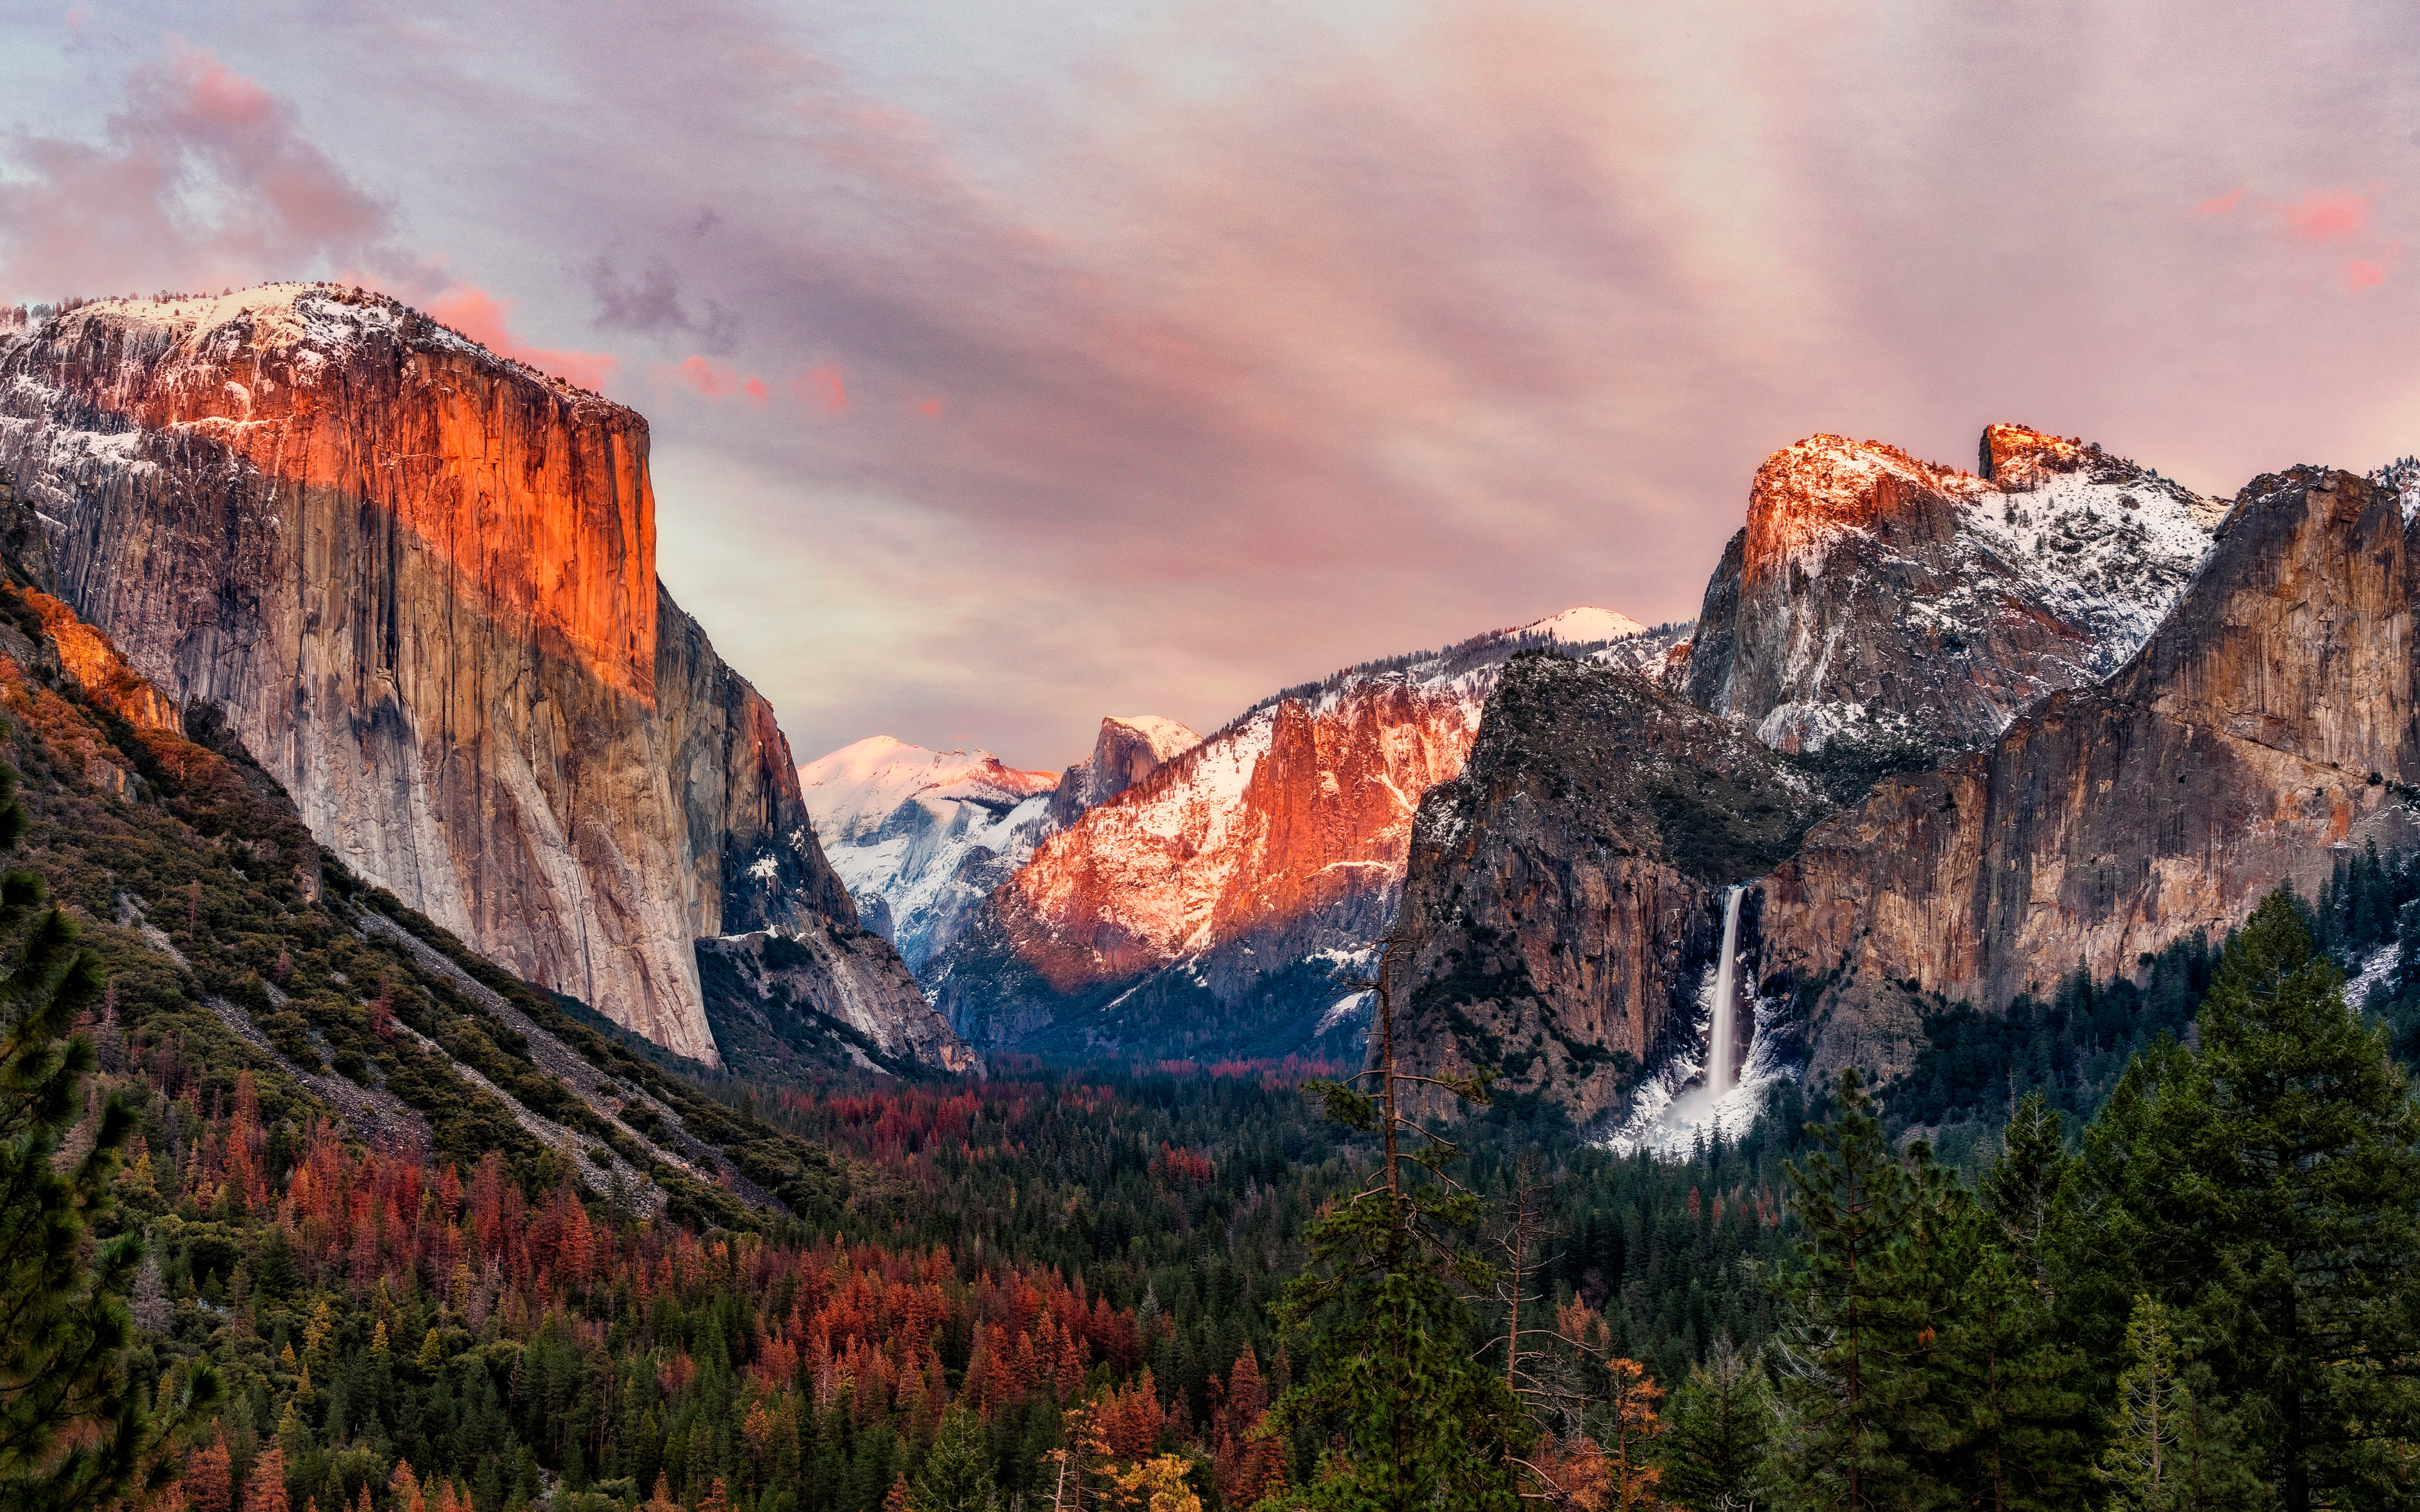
(1933, 720)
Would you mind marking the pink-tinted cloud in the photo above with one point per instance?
(2325, 215)
(822, 388)
(1389, 322)
(718, 381)
(203, 179)
(483, 318)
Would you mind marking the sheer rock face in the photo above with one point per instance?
(826, 973)
(418, 582)
(1157, 920)
(1565, 891)
(2270, 718)
(1124, 753)
(1878, 598)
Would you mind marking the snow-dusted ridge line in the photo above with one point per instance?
(2059, 556)
(323, 319)
(1439, 666)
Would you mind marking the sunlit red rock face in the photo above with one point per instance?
(419, 583)
(1213, 905)
(2273, 717)
(1877, 598)
(1305, 810)
(923, 838)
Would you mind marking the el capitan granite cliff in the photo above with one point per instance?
(417, 582)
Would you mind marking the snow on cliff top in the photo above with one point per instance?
(320, 318)
(2403, 476)
(1166, 738)
(2098, 543)
(273, 317)
(851, 791)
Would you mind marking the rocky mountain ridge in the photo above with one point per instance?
(1564, 894)
(1878, 598)
(1213, 907)
(2270, 719)
(417, 582)
(921, 838)
(2265, 721)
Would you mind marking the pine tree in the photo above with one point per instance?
(209, 1481)
(264, 1488)
(2145, 1465)
(2018, 1441)
(2268, 1190)
(74, 1429)
(1388, 1375)
(1718, 1435)
(1852, 1334)
(956, 1476)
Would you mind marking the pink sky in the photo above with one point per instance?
(1011, 364)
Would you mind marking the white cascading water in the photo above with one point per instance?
(1722, 1070)
(1692, 1096)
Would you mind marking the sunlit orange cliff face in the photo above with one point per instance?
(417, 582)
(533, 495)
(1301, 817)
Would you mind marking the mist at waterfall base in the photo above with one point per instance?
(1688, 1098)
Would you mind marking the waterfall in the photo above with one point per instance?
(1722, 1070)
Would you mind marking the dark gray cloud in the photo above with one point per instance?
(648, 303)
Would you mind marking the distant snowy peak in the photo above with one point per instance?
(854, 791)
(1166, 738)
(1583, 628)
(921, 837)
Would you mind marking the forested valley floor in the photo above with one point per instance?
(359, 1235)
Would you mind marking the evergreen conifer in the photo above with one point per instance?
(1388, 1379)
(75, 1429)
(2266, 1189)
(956, 1476)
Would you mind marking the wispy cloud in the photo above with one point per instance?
(1153, 357)
(202, 178)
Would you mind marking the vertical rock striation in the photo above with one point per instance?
(1565, 890)
(418, 582)
(2271, 718)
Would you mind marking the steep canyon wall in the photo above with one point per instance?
(418, 582)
